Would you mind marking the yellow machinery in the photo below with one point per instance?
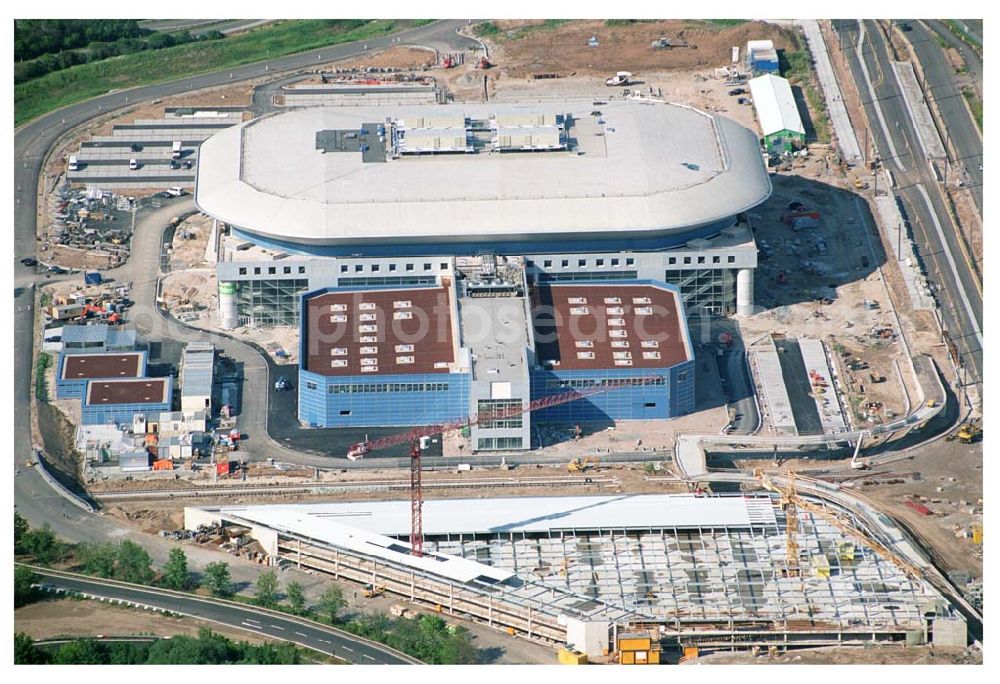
(844, 527)
(789, 503)
(568, 657)
(372, 590)
(969, 432)
(977, 534)
(578, 465)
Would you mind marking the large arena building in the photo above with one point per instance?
(391, 196)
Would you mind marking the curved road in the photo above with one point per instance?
(32, 142)
(306, 633)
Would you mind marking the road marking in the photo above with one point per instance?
(365, 655)
(951, 262)
(871, 90)
(326, 641)
(247, 624)
(276, 627)
(346, 648)
(302, 635)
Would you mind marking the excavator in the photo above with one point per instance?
(582, 465)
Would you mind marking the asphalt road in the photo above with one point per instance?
(32, 142)
(961, 130)
(960, 298)
(250, 619)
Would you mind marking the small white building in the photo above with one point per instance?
(197, 373)
(777, 112)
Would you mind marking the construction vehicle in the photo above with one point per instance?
(578, 465)
(969, 432)
(860, 184)
(622, 78)
(372, 590)
(483, 63)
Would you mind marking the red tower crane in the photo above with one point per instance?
(359, 450)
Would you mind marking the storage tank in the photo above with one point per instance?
(228, 311)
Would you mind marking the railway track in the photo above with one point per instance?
(349, 487)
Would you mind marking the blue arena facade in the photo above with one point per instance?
(631, 341)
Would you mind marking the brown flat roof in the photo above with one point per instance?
(392, 332)
(87, 366)
(142, 391)
(591, 327)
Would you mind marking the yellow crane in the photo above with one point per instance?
(789, 505)
(790, 498)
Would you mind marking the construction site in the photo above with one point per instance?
(591, 537)
(693, 573)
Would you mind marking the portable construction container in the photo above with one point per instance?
(92, 278)
(163, 464)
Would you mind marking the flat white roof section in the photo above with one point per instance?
(344, 534)
(775, 394)
(775, 104)
(646, 169)
(522, 514)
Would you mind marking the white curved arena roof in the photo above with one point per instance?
(632, 169)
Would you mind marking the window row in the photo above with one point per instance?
(391, 268)
(273, 270)
(379, 388)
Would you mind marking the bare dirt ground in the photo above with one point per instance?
(874, 655)
(69, 617)
(564, 50)
(400, 57)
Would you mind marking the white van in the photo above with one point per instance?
(176, 150)
(74, 165)
(133, 164)
(176, 191)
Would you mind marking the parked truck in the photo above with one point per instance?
(175, 152)
(74, 164)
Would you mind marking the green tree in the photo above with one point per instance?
(457, 649)
(332, 602)
(23, 579)
(270, 654)
(97, 559)
(25, 651)
(296, 599)
(175, 572)
(267, 590)
(80, 652)
(20, 527)
(217, 579)
(41, 543)
(125, 653)
(133, 563)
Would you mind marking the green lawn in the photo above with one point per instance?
(61, 88)
(796, 68)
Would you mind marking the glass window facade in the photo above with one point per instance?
(711, 289)
(499, 443)
(486, 406)
(270, 302)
